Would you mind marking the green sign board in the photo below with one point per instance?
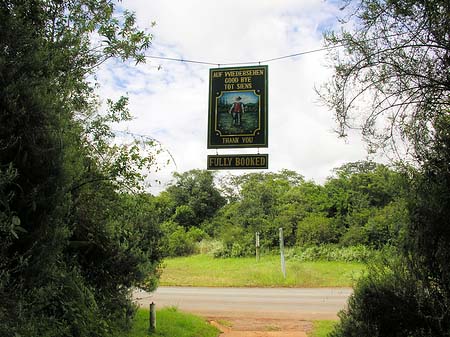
(238, 161)
(237, 114)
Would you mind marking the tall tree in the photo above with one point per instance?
(392, 80)
(195, 196)
(391, 77)
(67, 263)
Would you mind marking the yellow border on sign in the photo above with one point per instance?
(214, 135)
(240, 134)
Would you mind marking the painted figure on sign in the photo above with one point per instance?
(237, 110)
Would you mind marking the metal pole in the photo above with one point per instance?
(283, 263)
(257, 247)
(152, 317)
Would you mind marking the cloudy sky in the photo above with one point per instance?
(170, 99)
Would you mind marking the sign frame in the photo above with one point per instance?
(238, 162)
(244, 89)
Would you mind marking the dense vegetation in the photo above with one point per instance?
(247, 272)
(391, 80)
(362, 204)
(75, 230)
(78, 230)
(171, 323)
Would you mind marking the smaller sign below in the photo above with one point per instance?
(238, 162)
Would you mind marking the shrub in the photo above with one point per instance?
(208, 246)
(180, 243)
(316, 229)
(354, 236)
(236, 242)
(390, 301)
(196, 234)
(234, 249)
(331, 253)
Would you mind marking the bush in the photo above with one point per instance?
(234, 249)
(316, 229)
(331, 253)
(180, 243)
(354, 236)
(196, 234)
(208, 246)
(236, 242)
(389, 301)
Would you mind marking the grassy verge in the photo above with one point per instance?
(322, 328)
(203, 270)
(170, 323)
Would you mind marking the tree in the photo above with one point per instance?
(391, 77)
(358, 192)
(67, 262)
(255, 203)
(297, 203)
(316, 229)
(195, 197)
(392, 81)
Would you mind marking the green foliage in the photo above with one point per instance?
(390, 301)
(332, 253)
(397, 59)
(388, 225)
(322, 328)
(180, 243)
(316, 229)
(391, 79)
(409, 295)
(170, 323)
(185, 216)
(360, 205)
(247, 272)
(356, 199)
(197, 234)
(235, 242)
(209, 246)
(72, 241)
(195, 197)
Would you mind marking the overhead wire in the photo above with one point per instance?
(266, 60)
(224, 64)
(241, 63)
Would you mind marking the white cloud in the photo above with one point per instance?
(171, 104)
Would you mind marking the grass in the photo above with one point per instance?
(322, 328)
(206, 271)
(171, 323)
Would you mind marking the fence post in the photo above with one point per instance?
(283, 263)
(257, 247)
(152, 317)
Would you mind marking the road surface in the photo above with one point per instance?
(273, 303)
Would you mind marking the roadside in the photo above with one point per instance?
(206, 271)
(262, 303)
(253, 312)
(254, 327)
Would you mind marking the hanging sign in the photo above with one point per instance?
(238, 161)
(237, 114)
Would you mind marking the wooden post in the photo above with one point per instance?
(152, 317)
(257, 247)
(283, 263)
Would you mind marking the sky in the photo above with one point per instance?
(169, 100)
